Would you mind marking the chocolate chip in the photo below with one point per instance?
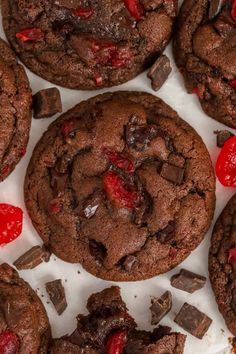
(159, 72)
(193, 321)
(32, 258)
(172, 173)
(138, 136)
(166, 234)
(215, 7)
(46, 103)
(129, 262)
(57, 295)
(160, 307)
(188, 281)
(222, 136)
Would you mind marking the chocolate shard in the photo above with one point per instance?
(57, 295)
(214, 8)
(188, 281)
(222, 136)
(32, 258)
(193, 321)
(172, 173)
(46, 103)
(159, 72)
(160, 307)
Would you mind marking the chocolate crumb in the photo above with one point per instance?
(56, 293)
(188, 281)
(46, 103)
(32, 258)
(159, 72)
(160, 307)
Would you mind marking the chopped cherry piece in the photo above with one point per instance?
(119, 161)
(121, 57)
(116, 342)
(85, 12)
(122, 195)
(233, 83)
(9, 343)
(173, 252)
(6, 170)
(54, 207)
(199, 91)
(135, 8)
(226, 163)
(22, 151)
(66, 127)
(30, 34)
(98, 80)
(232, 255)
(233, 10)
(11, 219)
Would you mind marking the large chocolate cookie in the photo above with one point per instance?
(122, 185)
(205, 52)
(86, 44)
(24, 326)
(107, 323)
(15, 111)
(222, 263)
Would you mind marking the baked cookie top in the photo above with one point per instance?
(122, 185)
(87, 44)
(24, 326)
(109, 322)
(222, 263)
(15, 111)
(205, 52)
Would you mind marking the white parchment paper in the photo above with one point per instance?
(78, 283)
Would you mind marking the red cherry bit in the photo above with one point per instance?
(98, 80)
(30, 35)
(11, 220)
(233, 83)
(135, 8)
(119, 161)
(232, 255)
(85, 12)
(233, 10)
(116, 342)
(226, 163)
(9, 343)
(199, 91)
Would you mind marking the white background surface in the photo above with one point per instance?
(137, 294)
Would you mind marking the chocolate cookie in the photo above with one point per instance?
(205, 52)
(87, 44)
(15, 111)
(122, 185)
(24, 326)
(222, 263)
(108, 326)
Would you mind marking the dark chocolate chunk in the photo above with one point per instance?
(192, 320)
(160, 307)
(57, 295)
(138, 136)
(32, 258)
(166, 234)
(188, 281)
(159, 72)
(222, 136)
(129, 262)
(215, 7)
(47, 102)
(172, 173)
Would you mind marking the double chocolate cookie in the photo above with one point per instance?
(108, 328)
(87, 44)
(205, 52)
(122, 185)
(24, 326)
(222, 263)
(15, 111)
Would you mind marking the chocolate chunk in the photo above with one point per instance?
(166, 234)
(159, 72)
(57, 295)
(192, 320)
(139, 136)
(160, 307)
(47, 102)
(172, 173)
(222, 136)
(32, 258)
(129, 262)
(188, 281)
(215, 7)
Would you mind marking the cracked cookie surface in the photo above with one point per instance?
(121, 185)
(24, 326)
(113, 328)
(15, 111)
(222, 263)
(87, 44)
(205, 52)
